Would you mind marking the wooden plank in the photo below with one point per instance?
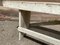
(40, 36)
(44, 7)
(36, 0)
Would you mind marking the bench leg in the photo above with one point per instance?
(20, 35)
(24, 19)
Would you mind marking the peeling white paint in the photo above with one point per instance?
(44, 7)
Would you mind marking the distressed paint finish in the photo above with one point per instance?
(44, 7)
(44, 38)
(24, 19)
(36, 0)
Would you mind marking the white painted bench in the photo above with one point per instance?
(24, 8)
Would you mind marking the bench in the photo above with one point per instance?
(25, 8)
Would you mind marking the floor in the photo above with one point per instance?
(15, 41)
(9, 34)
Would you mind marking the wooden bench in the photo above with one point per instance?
(25, 8)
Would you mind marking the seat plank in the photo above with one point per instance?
(44, 7)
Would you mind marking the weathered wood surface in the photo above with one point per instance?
(40, 36)
(43, 17)
(44, 7)
(24, 20)
(36, 0)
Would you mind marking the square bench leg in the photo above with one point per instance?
(24, 19)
